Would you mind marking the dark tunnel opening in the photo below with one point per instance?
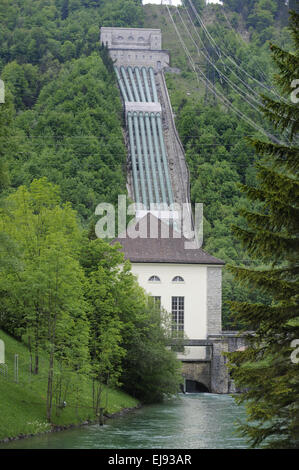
(192, 386)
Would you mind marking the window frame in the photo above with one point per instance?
(178, 313)
(178, 280)
(157, 280)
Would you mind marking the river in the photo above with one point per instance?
(191, 421)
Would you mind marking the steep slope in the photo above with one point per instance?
(67, 113)
(23, 404)
(214, 136)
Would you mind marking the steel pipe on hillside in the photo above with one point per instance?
(152, 157)
(121, 85)
(130, 94)
(164, 158)
(135, 91)
(147, 90)
(133, 159)
(158, 158)
(146, 159)
(153, 83)
(138, 76)
(140, 162)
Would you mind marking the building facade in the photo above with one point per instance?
(135, 47)
(185, 282)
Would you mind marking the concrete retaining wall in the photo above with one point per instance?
(136, 58)
(131, 38)
(214, 300)
(198, 371)
(213, 373)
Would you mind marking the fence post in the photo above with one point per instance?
(16, 368)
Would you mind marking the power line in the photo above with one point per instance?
(232, 71)
(265, 78)
(222, 98)
(233, 85)
(94, 136)
(219, 51)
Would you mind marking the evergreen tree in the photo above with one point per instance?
(267, 370)
(65, 10)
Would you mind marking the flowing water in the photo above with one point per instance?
(191, 421)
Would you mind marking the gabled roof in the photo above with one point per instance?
(172, 249)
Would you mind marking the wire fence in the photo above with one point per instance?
(71, 389)
(27, 370)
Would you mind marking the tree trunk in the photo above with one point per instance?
(50, 386)
(36, 364)
(30, 352)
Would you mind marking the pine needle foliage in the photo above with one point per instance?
(267, 371)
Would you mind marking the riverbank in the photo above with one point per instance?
(190, 421)
(56, 429)
(23, 398)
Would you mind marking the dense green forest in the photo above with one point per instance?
(65, 111)
(218, 154)
(62, 152)
(70, 297)
(267, 370)
(64, 126)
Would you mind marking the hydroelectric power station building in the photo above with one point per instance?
(186, 282)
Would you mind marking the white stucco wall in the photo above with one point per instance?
(194, 289)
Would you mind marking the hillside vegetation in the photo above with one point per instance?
(68, 296)
(23, 403)
(218, 154)
(64, 106)
(63, 120)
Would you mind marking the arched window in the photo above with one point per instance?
(141, 39)
(131, 38)
(178, 279)
(120, 38)
(154, 279)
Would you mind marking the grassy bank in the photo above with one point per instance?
(23, 404)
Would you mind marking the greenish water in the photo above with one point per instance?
(191, 421)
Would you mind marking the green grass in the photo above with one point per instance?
(23, 404)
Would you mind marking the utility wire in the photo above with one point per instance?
(250, 89)
(207, 82)
(219, 51)
(200, 40)
(233, 85)
(265, 78)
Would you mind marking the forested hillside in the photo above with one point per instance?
(85, 324)
(62, 117)
(234, 67)
(65, 111)
(71, 298)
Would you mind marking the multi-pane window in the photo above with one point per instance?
(177, 310)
